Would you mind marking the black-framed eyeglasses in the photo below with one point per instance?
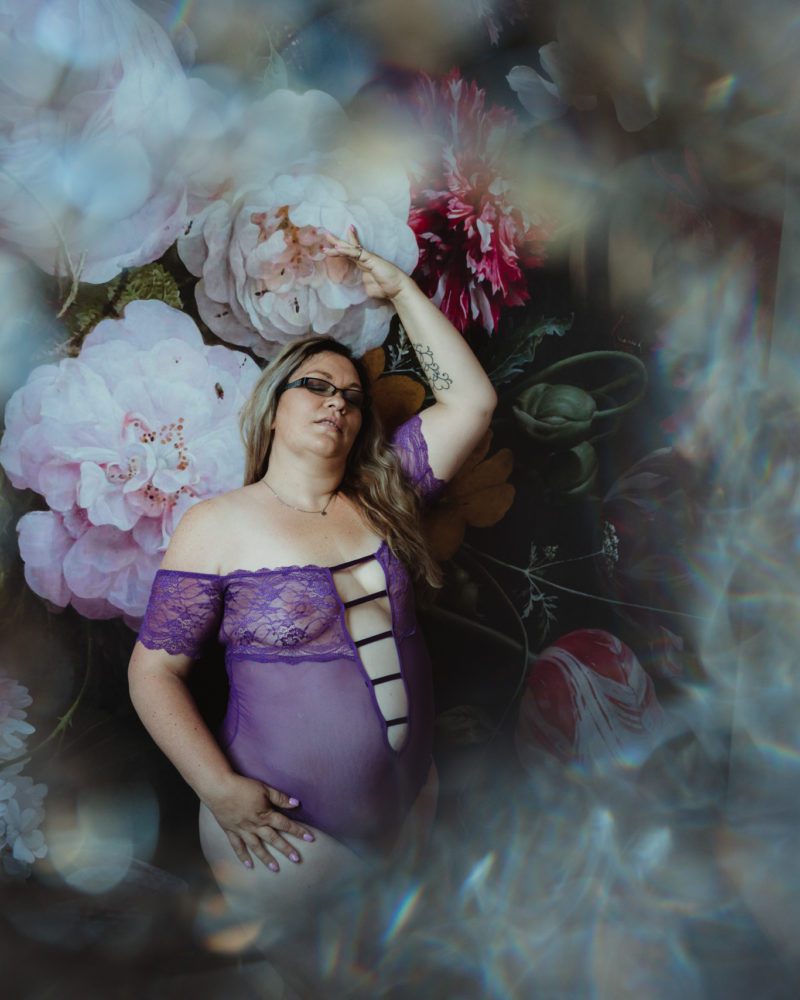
(321, 387)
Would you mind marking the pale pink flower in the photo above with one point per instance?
(258, 246)
(578, 70)
(93, 106)
(120, 442)
(14, 730)
(21, 812)
(21, 815)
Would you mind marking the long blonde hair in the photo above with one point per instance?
(373, 477)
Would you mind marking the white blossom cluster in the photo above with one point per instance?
(21, 801)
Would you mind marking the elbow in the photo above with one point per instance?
(150, 666)
(486, 405)
(476, 413)
(135, 674)
(143, 670)
(491, 399)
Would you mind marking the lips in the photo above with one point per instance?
(330, 423)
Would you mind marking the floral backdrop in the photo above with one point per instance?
(601, 197)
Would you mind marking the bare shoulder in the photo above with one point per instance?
(205, 531)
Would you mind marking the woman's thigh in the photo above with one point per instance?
(259, 892)
(412, 840)
(289, 895)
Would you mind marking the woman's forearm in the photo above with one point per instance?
(452, 370)
(170, 715)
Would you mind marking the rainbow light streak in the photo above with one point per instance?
(403, 914)
(720, 92)
(478, 875)
(179, 15)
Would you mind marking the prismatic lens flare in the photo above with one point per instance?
(614, 646)
(181, 10)
(403, 913)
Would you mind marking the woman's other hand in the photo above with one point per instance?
(382, 279)
(246, 811)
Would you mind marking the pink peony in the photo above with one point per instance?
(93, 105)
(257, 247)
(474, 244)
(588, 701)
(120, 442)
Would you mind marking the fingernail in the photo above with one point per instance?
(272, 866)
(294, 802)
(294, 857)
(248, 864)
(309, 837)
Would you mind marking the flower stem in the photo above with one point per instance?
(562, 562)
(639, 373)
(618, 383)
(66, 718)
(525, 650)
(477, 628)
(529, 574)
(74, 272)
(611, 600)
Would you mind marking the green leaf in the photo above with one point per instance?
(521, 349)
(572, 472)
(464, 725)
(149, 282)
(96, 302)
(275, 75)
(92, 303)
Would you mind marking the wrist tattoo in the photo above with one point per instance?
(437, 379)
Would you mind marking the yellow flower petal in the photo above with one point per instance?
(475, 456)
(488, 506)
(396, 398)
(375, 361)
(444, 529)
(491, 472)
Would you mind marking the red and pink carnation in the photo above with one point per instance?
(475, 245)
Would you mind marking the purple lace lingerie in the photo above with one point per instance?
(304, 714)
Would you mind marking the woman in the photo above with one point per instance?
(326, 744)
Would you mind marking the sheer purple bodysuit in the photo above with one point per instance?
(303, 713)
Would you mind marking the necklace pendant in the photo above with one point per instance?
(324, 513)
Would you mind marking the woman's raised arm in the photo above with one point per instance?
(465, 398)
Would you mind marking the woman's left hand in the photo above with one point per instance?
(382, 279)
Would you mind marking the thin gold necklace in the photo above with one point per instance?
(301, 510)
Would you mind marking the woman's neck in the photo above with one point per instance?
(303, 482)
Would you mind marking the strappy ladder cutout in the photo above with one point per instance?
(387, 678)
(363, 600)
(373, 638)
(351, 562)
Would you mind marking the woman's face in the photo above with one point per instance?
(325, 425)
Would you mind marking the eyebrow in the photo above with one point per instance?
(319, 371)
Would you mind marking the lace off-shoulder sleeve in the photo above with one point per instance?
(412, 450)
(183, 612)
